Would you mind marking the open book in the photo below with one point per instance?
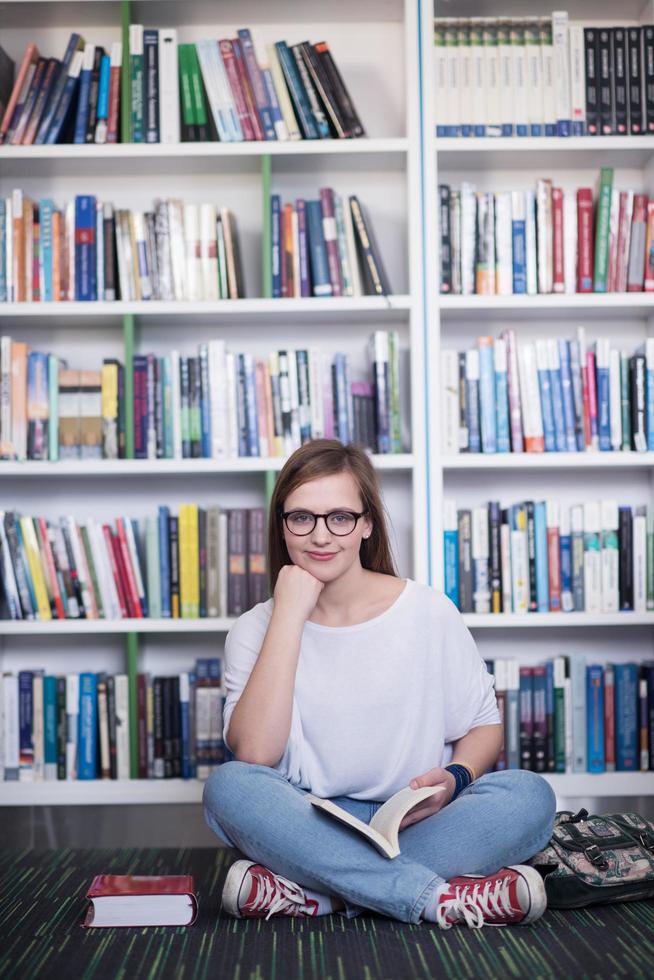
(383, 829)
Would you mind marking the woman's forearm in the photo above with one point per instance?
(479, 748)
(261, 720)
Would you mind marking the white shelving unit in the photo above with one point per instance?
(384, 169)
(385, 51)
(454, 322)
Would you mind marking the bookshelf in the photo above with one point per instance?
(385, 52)
(384, 169)
(455, 321)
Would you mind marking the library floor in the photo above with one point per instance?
(42, 904)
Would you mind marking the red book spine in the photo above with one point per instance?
(609, 726)
(244, 83)
(640, 218)
(584, 240)
(131, 588)
(558, 281)
(141, 727)
(120, 565)
(114, 104)
(109, 540)
(592, 399)
(554, 567)
(51, 570)
(229, 61)
(30, 57)
(649, 247)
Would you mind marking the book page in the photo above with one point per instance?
(383, 829)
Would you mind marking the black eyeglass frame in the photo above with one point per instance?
(286, 514)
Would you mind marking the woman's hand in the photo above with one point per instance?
(435, 777)
(296, 591)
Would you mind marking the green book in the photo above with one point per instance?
(188, 117)
(136, 81)
(197, 94)
(602, 229)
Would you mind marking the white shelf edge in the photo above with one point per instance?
(59, 627)
(225, 307)
(546, 301)
(537, 461)
(548, 620)
(82, 468)
(141, 791)
(212, 150)
(551, 144)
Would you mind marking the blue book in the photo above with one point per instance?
(88, 726)
(451, 552)
(251, 404)
(297, 91)
(545, 389)
(50, 726)
(595, 718)
(341, 398)
(164, 560)
(565, 543)
(275, 109)
(215, 744)
(602, 358)
(487, 395)
(57, 91)
(241, 407)
(82, 114)
(648, 350)
(103, 86)
(276, 237)
(140, 376)
(556, 388)
(65, 102)
(542, 575)
(626, 717)
(167, 400)
(85, 248)
(577, 393)
(25, 724)
(472, 400)
(305, 276)
(304, 406)
(320, 280)
(519, 238)
(184, 725)
(568, 400)
(193, 768)
(46, 210)
(502, 424)
(205, 403)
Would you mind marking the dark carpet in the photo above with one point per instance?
(42, 905)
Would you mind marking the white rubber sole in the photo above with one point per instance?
(232, 887)
(537, 892)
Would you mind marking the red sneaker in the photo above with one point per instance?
(513, 896)
(253, 891)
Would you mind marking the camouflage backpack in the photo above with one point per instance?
(593, 860)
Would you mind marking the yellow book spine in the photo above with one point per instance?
(34, 564)
(194, 560)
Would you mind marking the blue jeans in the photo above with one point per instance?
(503, 818)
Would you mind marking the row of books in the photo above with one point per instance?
(201, 562)
(548, 241)
(217, 404)
(554, 395)
(206, 90)
(542, 76)
(324, 248)
(77, 726)
(87, 250)
(569, 716)
(546, 556)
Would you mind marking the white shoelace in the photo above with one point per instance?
(473, 902)
(281, 893)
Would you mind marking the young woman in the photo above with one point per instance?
(353, 683)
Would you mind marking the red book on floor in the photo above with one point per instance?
(141, 900)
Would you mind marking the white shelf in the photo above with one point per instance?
(81, 469)
(150, 791)
(60, 627)
(515, 152)
(597, 304)
(548, 461)
(573, 619)
(264, 310)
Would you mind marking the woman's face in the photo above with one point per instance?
(338, 492)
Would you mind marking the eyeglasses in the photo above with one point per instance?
(339, 522)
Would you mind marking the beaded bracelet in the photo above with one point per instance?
(463, 776)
